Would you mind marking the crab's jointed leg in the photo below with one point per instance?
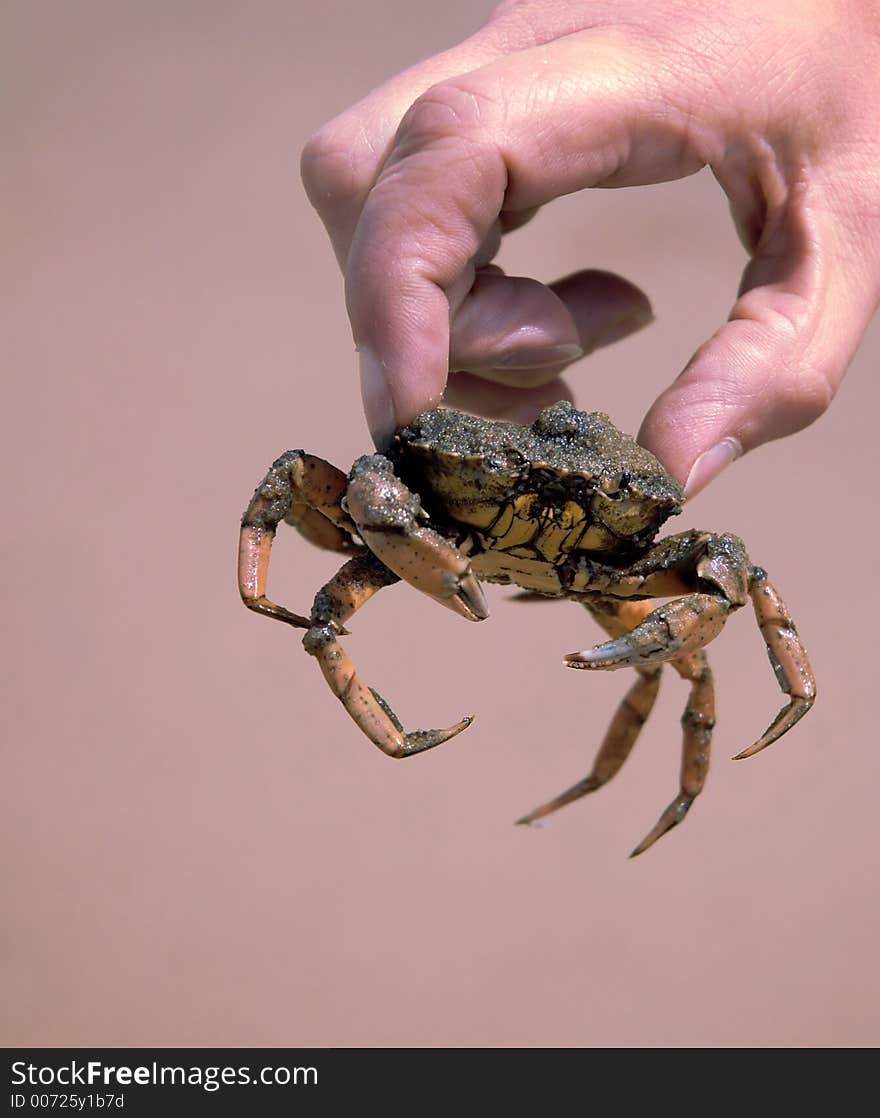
(697, 722)
(352, 586)
(372, 508)
(720, 567)
(630, 716)
(306, 492)
(788, 657)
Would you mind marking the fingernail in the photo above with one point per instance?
(710, 464)
(378, 407)
(538, 358)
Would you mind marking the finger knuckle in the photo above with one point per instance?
(803, 394)
(453, 108)
(328, 168)
(799, 389)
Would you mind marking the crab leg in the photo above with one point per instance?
(688, 623)
(630, 716)
(697, 724)
(787, 655)
(352, 586)
(306, 492)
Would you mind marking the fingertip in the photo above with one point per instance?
(516, 330)
(673, 431)
(376, 397)
(740, 390)
(710, 463)
(404, 361)
(605, 307)
(511, 327)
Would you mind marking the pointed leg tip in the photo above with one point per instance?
(751, 751)
(781, 724)
(649, 839)
(670, 818)
(647, 842)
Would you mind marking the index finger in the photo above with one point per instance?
(509, 136)
(340, 162)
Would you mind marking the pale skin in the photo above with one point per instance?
(418, 182)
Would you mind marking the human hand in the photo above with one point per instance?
(417, 183)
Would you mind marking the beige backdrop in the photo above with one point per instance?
(199, 848)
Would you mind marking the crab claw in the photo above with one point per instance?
(417, 741)
(424, 559)
(389, 521)
(469, 599)
(672, 630)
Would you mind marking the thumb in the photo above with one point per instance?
(805, 300)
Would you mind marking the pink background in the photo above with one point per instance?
(199, 848)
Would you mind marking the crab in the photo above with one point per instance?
(566, 508)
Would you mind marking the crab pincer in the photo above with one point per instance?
(674, 629)
(390, 520)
